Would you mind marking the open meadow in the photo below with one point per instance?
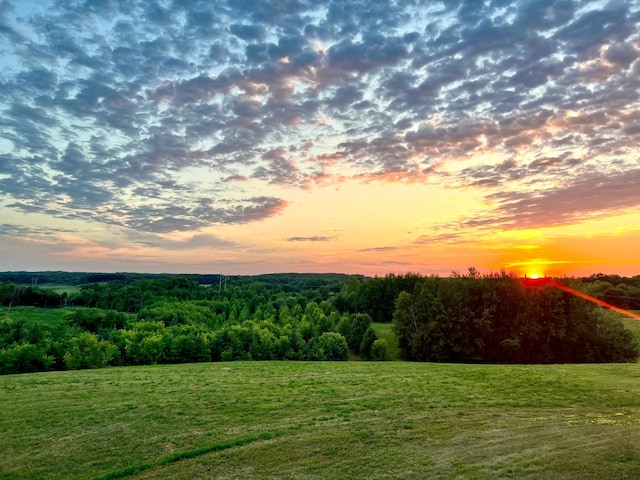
(631, 324)
(323, 420)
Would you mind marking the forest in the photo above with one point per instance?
(138, 319)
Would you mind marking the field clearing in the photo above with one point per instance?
(632, 325)
(385, 332)
(323, 420)
(61, 288)
(35, 315)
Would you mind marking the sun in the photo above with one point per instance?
(534, 275)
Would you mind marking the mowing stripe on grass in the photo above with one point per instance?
(125, 472)
(196, 452)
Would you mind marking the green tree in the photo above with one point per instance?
(95, 319)
(154, 349)
(7, 293)
(419, 322)
(367, 342)
(87, 351)
(380, 351)
(186, 345)
(24, 358)
(353, 328)
(172, 313)
(334, 346)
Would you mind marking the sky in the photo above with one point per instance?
(371, 137)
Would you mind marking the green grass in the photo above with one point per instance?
(61, 288)
(385, 331)
(323, 420)
(35, 315)
(632, 325)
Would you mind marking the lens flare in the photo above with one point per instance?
(537, 281)
(597, 301)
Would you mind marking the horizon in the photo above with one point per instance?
(324, 137)
(537, 278)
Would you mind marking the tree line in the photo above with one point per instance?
(623, 292)
(288, 281)
(176, 320)
(173, 319)
(497, 317)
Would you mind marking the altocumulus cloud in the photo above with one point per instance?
(171, 116)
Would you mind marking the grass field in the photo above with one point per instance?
(35, 315)
(385, 331)
(61, 288)
(323, 420)
(632, 325)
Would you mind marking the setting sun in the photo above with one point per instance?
(534, 276)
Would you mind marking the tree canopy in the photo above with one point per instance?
(175, 319)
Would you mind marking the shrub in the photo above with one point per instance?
(334, 346)
(379, 351)
(18, 331)
(176, 313)
(153, 349)
(188, 347)
(24, 358)
(368, 339)
(353, 328)
(94, 319)
(87, 351)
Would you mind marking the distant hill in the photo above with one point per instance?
(294, 280)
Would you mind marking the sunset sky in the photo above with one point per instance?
(246, 137)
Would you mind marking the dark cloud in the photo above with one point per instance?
(171, 217)
(248, 32)
(278, 169)
(493, 175)
(373, 52)
(23, 207)
(11, 230)
(593, 29)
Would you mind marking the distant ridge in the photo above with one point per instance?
(83, 278)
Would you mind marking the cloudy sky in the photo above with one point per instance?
(248, 136)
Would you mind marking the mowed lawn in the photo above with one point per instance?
(323, 420)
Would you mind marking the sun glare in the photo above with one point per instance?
(534, 276)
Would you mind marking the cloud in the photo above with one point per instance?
(379, 249)
(171, 217)
(314, 238)
(447, 238)
(125, 113)
(199, 241)
(587, 195)
(248, 32)
(12, 230)
(592, 195)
